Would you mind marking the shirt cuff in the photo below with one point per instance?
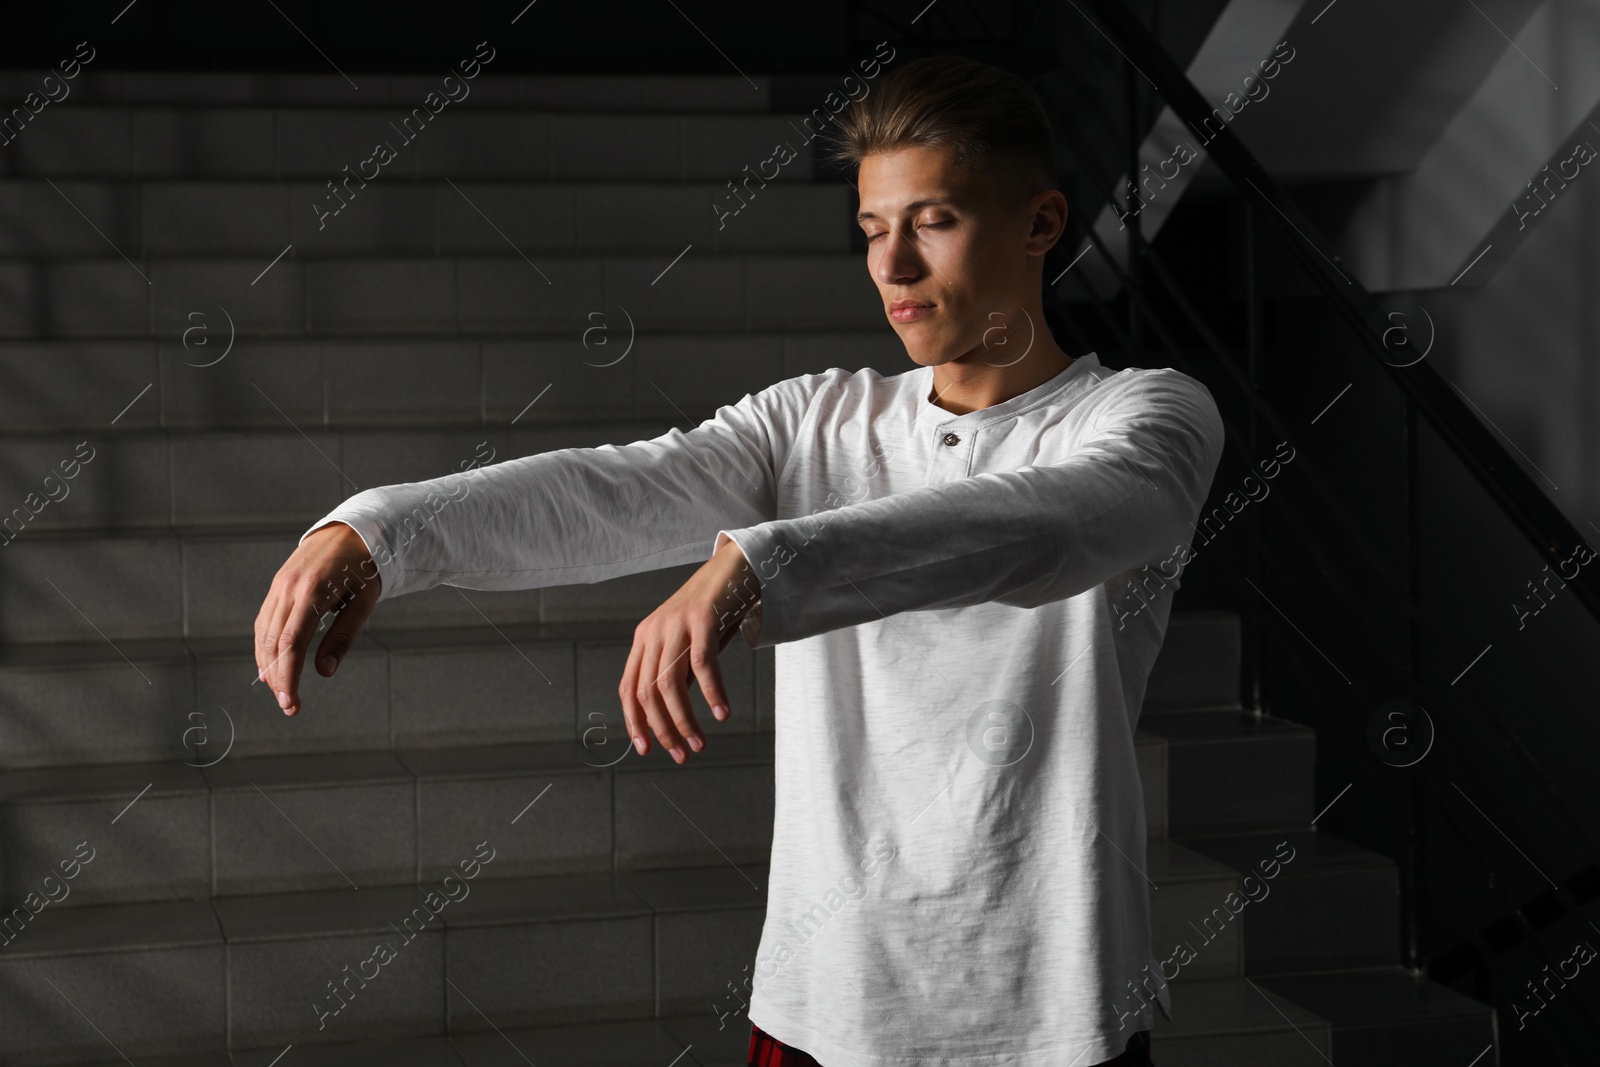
(371, 531)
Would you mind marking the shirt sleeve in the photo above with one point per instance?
(583, 515)
(1127, 495)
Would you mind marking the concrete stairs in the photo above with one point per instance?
(241, 860)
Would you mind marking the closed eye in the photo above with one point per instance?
(924, 226)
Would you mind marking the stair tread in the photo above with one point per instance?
(1231, 1006)
(423, 335)
(481, 902)
(95, 651)
(231, 89)
(489, 901)
(306, 769)
(86, 781)
(505, 111)
(391, 260)
(722, 750)
(328, 912)
(396, 425)
(99, 928)
(700, 888)
(99, 781)
(1208, 726)
(1315, 851)
(102, 781)
(1214, 1007)
(1374, 996)
(220, 1058)
(1171, 862)
(384, 1052)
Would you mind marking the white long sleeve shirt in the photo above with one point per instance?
(964, 610)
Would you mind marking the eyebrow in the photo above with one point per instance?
(915, 205)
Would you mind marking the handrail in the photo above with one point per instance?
(1547, 528)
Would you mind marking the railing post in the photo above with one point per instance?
(1135, 238)
(1252, 303)
(1411, 873)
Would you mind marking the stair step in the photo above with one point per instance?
(325, 820)
(671, 941)
(153, 480)
(1332, 905)
(303, 822)
(1387, 1018)
(1230, 771)
(275, 965)
(1215, 1022)
(150, 976)
(76, 586)
(383, 1052)
(403, 382)
(153, 219)
(194, 700)
(1235, 1021)
(706, 290)
(1198, 668)
(97, 141)
(1189, 886)
(700, 926)
(553, 92)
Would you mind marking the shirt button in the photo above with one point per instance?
(951, 439)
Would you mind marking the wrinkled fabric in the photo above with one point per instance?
(964, 611)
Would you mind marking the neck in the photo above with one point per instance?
(986, 377)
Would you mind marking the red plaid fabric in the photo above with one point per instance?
(768, 1051)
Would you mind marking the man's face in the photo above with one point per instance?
(941, 237)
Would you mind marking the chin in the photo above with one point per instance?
(931, 357)
(920, 351)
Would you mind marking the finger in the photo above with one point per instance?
(632, 712)
(706, 669)
(269, 606)
(299, 628)
(342, 634)
(272, 649)
(674, 689)
(655, 709)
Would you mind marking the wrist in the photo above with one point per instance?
(740, 588)
(740, 572)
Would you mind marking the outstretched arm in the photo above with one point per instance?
(1125, 497)
(576, 515)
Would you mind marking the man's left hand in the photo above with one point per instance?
(682, 639)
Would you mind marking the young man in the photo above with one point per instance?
(954, 565)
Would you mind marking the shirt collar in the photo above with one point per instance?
(930, 413)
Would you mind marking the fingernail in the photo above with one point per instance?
(696, 744)
(329, 663)
(677, 754)
(283, 699)
(720, 711)
(638, 744)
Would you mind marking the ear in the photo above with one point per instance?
(1049, 221)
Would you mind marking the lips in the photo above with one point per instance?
(909, 310)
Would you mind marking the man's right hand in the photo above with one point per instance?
(331, 570)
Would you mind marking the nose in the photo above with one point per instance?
(897, 260)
